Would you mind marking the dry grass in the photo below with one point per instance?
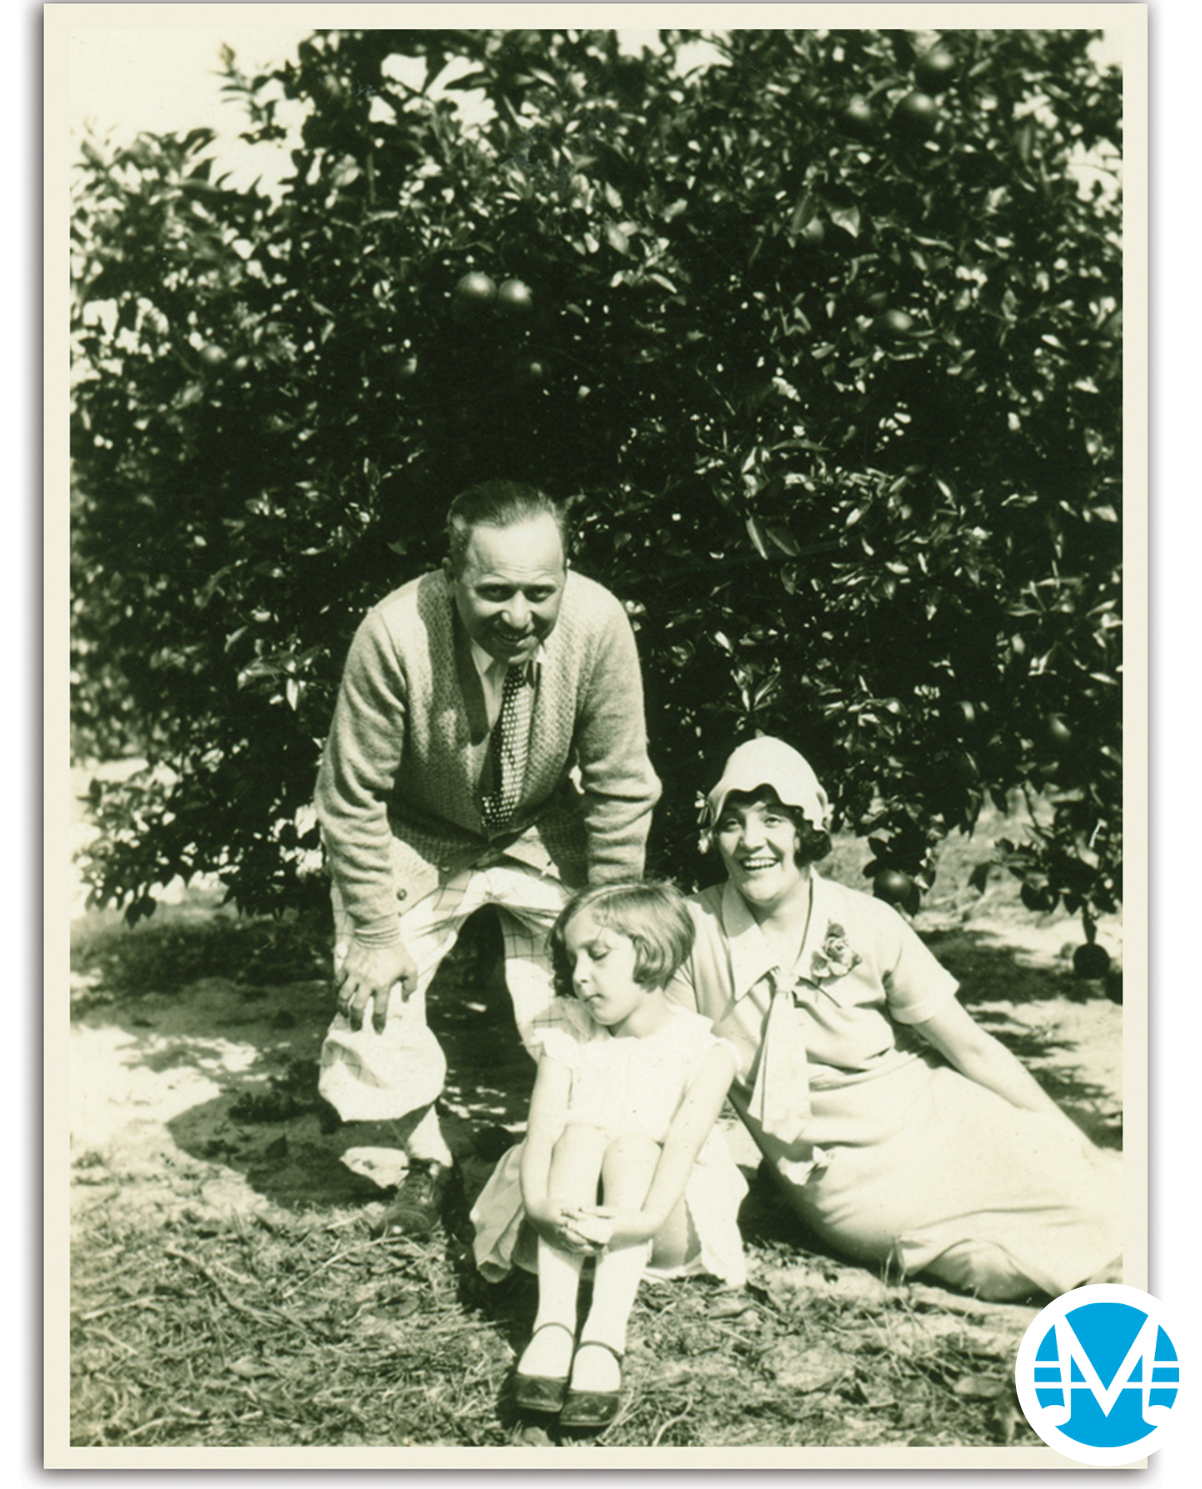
(280, 1329)
(219, 1301)
(262, 1332)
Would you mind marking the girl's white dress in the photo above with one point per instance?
(623, 1086)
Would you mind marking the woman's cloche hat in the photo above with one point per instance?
(769, 762)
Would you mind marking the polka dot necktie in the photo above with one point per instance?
(510, 735)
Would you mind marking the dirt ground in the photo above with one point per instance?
(203, 1163)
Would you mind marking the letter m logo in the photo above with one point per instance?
(1101, 1357)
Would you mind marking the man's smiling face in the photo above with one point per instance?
(510, 586)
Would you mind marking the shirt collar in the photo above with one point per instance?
(484, 662)
(750, 959)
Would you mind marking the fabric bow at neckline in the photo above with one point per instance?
(780, 1096)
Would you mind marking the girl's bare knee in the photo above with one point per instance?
(580, 1138)
(576, 1165)
(633, 1147)
(628, 1169)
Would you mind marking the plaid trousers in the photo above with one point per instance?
(375, 1077)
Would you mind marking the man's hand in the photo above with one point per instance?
(368, 974)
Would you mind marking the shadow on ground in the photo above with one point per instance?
(228, 1059)
(246, 1035)
(1043, 1014)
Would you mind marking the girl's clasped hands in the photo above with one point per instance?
(586, 1228)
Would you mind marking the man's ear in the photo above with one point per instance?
(448, 568)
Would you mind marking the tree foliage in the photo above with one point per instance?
(823, 345)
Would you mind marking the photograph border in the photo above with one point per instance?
(60, 21)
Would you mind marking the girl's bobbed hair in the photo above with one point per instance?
(651, 914)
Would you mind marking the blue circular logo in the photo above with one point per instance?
(1097, 1374)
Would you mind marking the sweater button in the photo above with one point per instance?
(402, 894)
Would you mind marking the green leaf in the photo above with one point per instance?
(755, 531)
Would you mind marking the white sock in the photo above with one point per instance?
(614, 1289)
(558, 1286)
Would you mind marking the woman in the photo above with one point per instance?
(901, 1132)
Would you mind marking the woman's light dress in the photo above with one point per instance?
(905, 1161)
(623, 1086)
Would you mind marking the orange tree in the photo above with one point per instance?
(821, 340)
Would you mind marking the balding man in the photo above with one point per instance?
(488, 747)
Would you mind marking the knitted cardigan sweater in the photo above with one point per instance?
(399, 791)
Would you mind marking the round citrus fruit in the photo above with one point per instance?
(857, 117)
(1039, 897)
(895, 323)
(515, 297)
(935, 69)
(916, 114)
(896, 888)
(475, 291)
(1091, 961)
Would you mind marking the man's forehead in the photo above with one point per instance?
(523, 553)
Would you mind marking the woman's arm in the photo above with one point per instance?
(984, 1059)
(690, 1127)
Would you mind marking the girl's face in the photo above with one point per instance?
(602, 962)
(758, 843)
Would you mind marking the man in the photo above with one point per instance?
(488, 746)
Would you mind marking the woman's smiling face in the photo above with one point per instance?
(758, 843)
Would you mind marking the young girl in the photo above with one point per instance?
(629, 1086)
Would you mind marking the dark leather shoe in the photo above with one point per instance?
(591, 1409)
(417, 1205)
(541, 1392)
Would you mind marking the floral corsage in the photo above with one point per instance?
(836, 959)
